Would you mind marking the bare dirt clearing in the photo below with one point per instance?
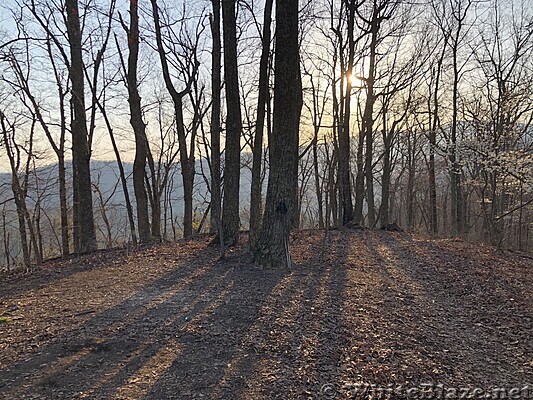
(172, 322)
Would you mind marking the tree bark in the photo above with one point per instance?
(256, 198)
(344, 131)
(215, 118)
(368, 122)
(272, 248)
(232, 156)
(80, 147)
(139, 127)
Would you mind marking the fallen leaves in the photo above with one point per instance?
(170, 321)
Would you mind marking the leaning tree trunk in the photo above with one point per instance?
(80, 147)
(232, 162)
(122, 174)
(272, 246)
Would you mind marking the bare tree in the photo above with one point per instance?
(85, 236)
(256, 198)
(189, 67)
(232, 154)
(19, 184)
(272, 247)
(216, 82)
(137, 123)
(21, 83)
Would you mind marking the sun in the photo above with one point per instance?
(354, 79)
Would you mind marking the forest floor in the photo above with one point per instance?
(174, 322)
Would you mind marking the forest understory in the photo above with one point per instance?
(175, 322)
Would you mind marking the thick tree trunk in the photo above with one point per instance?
(272, 248)
(215, 118)
(80, 147)
(188, 172)
(232, 156)
(256, 198)
(139, 128)
(26, 256)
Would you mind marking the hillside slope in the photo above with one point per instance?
(173, 322)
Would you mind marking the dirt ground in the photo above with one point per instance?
(173, 322)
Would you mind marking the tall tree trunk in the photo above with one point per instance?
(344, 131)
(215, 118)
(459, 17)
(256, 198)
(139, 127)
(80, 146)
(272, 248)
(186, 161)
(455, 168)
(368, 118)
(434, 113)
(232, 156)
(369, 174)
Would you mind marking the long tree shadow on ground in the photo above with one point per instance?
(364, 306)
(270, 342)
(114, 343)
(478, 323)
